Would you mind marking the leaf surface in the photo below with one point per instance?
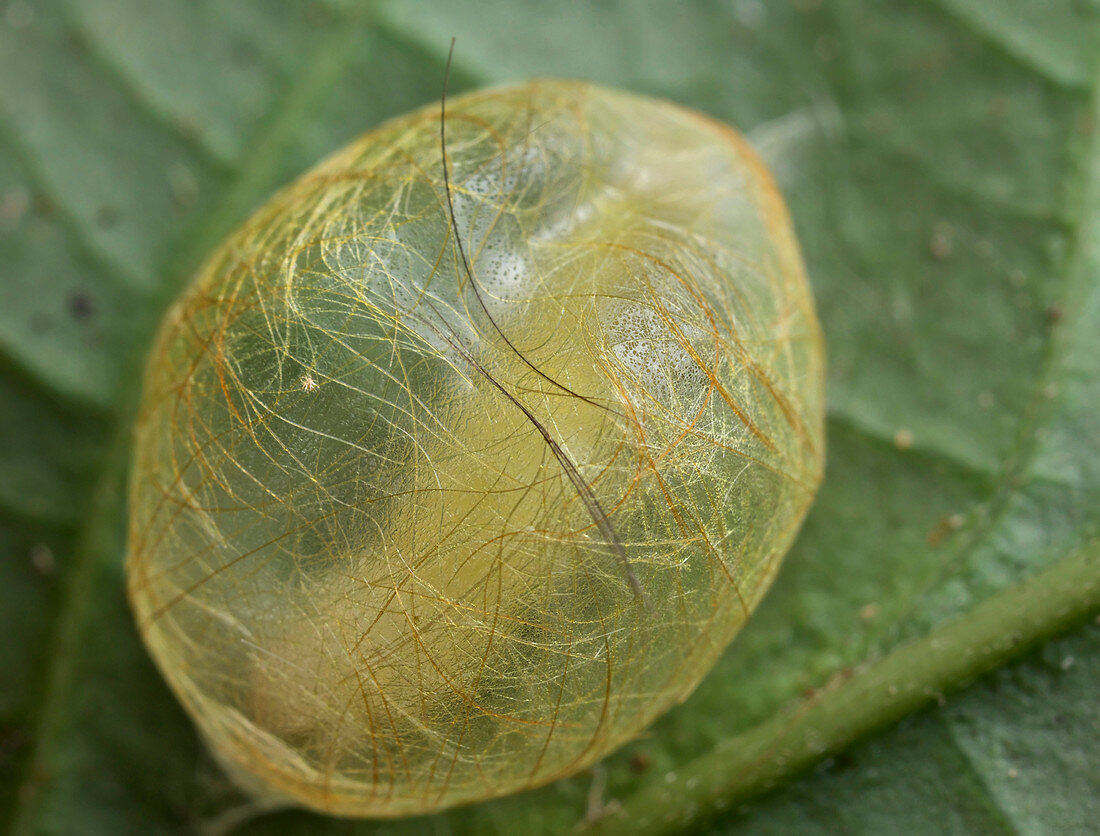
(942, 164)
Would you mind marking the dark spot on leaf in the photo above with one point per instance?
(640, 761)
(945, 526)
(81, 305)
(43, 206)
(840, 763)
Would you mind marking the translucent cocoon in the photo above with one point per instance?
(404, 535)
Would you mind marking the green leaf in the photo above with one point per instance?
(942, 162)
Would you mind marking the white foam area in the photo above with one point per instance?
(652, 357)
(565, 224)
(384, 270)
(504, 274)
